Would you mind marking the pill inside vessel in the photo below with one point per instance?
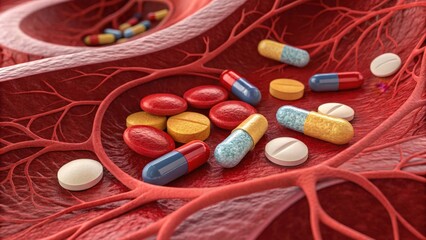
(188, 126)
(229, 114)
(385, 65)
(283, 53)
(144, 118)
(335, 81)
(286, 89)
(337, 110)
(286, 151)
(80, 174)
(240, 87)
(163, 104)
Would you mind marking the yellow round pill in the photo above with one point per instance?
(188, 126)
(144, 118)
(286, 89)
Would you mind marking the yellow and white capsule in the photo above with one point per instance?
(99, 39)
(158, 15)
(283, 53)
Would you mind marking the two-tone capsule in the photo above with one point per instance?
(313, 124)
(132, 21)
(158, 15)
(242, 139)
(137, 29)
(115, 32)
(99, 39)
(240, 87)
(283, 53)
(335, 81)
(176, 163)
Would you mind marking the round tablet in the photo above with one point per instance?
(80, 174)
(148, 141)
(385, 65)
(205, 97)
(188, 126)
(229, 114)
(286, 151)
(286, 89)
(337, 110)
(163, 104)
(144, 118)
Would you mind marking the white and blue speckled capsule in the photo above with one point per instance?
(283, 53)
(242, 139)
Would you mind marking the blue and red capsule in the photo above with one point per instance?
(335, 81)
(240, 87)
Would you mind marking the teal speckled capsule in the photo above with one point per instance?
(242, 139)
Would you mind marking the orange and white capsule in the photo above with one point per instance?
(99, 39)
(158, 15)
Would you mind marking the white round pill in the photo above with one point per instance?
(337, 110)
(80, 174)
(286, 151)
(385, 65)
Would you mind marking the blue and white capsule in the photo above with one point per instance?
(240, 87)
(283, 53)
(243, 138)
(137, 29)
(115, 32)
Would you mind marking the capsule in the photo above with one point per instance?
(313, 124)
(283, 53)
(242, 139)
(176, 163)
(132, 21)
(158, 15)
(336, 81)
(99, 39)
(137, 29)
(240, 87)
(115, 32)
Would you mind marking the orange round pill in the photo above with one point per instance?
(188, 126)
(286, 89)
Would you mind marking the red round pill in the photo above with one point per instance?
(163, 104)
(206, 96)
(229, 114)
(148, 141)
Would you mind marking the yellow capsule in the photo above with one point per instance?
(283, 53)
(188, 126)
(122, 40)
(255, 125)
(144, 118)
(124, 26)
(158, 15)
(99, 39)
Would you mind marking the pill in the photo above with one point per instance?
(144, 118)
(99, 39)
(176, 163)
(385, 65)
(229, 114)
(137, 29)
(232, 150)
(80, 174)
(188, 126)
(240, 87)
(122, 40)
(313, 124)
(115, 32)
(163, 104)
(286, 89)
(148, 141)
(336, 81)
(286, 151)
(132, 21)
(283, 53)
(206, 96)
(337, 110)
(158, 15)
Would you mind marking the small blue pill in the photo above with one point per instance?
(117, 33)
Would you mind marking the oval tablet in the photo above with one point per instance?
(144, 118)
(286, 151)
(337, 110)
(188, 126)
(80, 174)
(148, 141)
(206, 96)
(286, 89)
(163, 104)
(385, 65)
(229, 114)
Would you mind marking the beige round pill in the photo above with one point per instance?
(80, 174)
(286, 151)
(337, 110)
(188, 126)
(286, 89)
(385, 65)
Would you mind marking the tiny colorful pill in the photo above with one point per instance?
(115, 32)
(99, 39)
(335, 81)
(163, 104)
(176, 163)
(188, 126)
(286, 151)
(286, 89)
(132, 21)
(158, 15)
(240, 87)
(122, 40)
(229, 114)
(144, 118)
(137, 29)
(205, 97)
(80, 174)
(337, 110)
(283, 53)
(148, 141)
(313, 124)
(232, 150)
(385, 65)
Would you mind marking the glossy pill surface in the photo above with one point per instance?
(326, 128)
(229, 114)
(176, 163)
(99, 39)
(232, 150)
(336, 81)
(144, 118)
(137, 29)
(337, 110)
(80, 174)
(158, 15)
(148, 141)
(188, 126)
(115, 32)
(286, 151)
(132, 21)
(286, 89)
(240, 87)
(283, 53)
(163, 104)
(385, 65)
(206, 96)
